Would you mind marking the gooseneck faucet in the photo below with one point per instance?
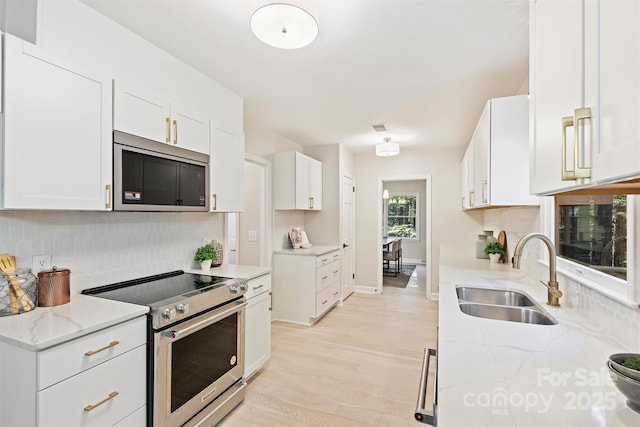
(553, 292)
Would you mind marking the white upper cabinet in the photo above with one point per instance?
(57, 132)
(467, 180)
(494, 169)
(585, 93)
(140, 113)
(297, 182)
(227, 172)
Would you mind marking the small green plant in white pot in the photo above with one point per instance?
(495, 250)
(205, 255)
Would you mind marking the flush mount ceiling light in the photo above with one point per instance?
(285, 24)
(388, 148)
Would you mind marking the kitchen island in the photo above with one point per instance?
(503, 373)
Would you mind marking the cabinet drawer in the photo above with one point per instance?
(65, 404)
(258, 286)
(327, 258)
(137, 419)
(326, 298)
(67, 359)
(326, 275)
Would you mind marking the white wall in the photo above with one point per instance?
(450, 225)
(79, 33)
(250, 218)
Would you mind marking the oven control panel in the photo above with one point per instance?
(191, 304)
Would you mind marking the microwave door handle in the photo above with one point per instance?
(179, 332)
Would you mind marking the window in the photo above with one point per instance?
(592, 231)
(402, 213)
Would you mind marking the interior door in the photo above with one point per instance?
(348, 225)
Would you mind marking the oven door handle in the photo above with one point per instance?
(421, 413)
(179, 332)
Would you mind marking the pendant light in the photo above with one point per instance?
(285, 24)
(387, 148)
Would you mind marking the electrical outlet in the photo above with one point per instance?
(206, 240)
(40, 262)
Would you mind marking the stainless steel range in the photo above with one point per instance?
(195, 344)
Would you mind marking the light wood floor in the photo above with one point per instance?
(358, 366)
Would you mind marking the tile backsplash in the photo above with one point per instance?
(617, 320)
(106, 247)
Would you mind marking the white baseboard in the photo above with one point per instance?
(366, 289)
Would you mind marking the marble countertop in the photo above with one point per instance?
(44, 327)
(500, 373)
(235, 271)
(312, 251)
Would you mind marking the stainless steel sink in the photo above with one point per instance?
(494, 296)
(510, 314)
(502, 304)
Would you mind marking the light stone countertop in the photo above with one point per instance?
(500, 373)
(312, 251)
(44, 327)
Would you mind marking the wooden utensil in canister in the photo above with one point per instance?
(8, 267)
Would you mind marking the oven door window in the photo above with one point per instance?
(202, 357)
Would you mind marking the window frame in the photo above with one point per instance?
(417, 215)
(627, 292)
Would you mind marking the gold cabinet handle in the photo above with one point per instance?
(336, 293)
(175, 132)
(108, 204)
(484, 192)
(324, 302)
(580, 115)
(270, 301)
(106, 399)
(310, 202)
(567, 175)
(215, 201)
(462, 202)
(168, 138)
(257, 287)
(471, 193)
(324, 277)
(106, 347)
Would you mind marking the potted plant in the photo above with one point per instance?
(495, 250)
(205, 255)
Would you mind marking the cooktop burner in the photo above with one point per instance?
(161, 289)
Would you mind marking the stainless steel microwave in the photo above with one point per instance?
(152, 176)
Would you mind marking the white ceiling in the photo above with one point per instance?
(424, 68)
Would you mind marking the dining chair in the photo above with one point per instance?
(391, 255)
(400, 253)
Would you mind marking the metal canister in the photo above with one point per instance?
(53, 287)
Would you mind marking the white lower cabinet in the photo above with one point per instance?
(95, 380)
(305, 287)
(100, 396)
(258, 324)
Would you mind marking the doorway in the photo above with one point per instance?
(249, 232)
(413, 225)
